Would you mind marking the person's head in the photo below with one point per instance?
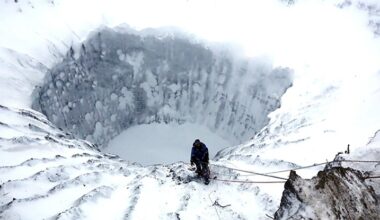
(197, 143)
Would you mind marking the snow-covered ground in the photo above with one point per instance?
(46, 173)
(163, 143)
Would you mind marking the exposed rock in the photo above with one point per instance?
(337, 193)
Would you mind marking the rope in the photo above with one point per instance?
(361, 161)
(299, 168)
(281, 171)
(246, 181)
(216, 210)
(247, 171)
(373, 177)
(319, 164)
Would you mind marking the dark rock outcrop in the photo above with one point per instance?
(337, 193)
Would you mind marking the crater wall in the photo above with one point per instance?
(116, 80)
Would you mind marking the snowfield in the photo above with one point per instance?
(47, 172)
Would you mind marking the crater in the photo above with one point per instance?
(146, 97)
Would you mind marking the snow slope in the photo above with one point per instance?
(46, 174)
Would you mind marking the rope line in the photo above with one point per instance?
(247, 171)
(281, 171)
(247, 181)
(216, 210)
(299, 168)
(360, 161)
(372, 177)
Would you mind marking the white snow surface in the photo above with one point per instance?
(171, 142)
(41, 167)
(334, 102)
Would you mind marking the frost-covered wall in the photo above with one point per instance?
(115, 80)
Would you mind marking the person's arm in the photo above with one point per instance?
(206, 157)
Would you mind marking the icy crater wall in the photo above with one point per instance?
(115, 80)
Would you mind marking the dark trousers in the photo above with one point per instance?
(202, 169)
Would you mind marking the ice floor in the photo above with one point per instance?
(163, 143)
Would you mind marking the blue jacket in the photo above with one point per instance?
(199, 153)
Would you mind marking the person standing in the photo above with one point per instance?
(200, 157)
